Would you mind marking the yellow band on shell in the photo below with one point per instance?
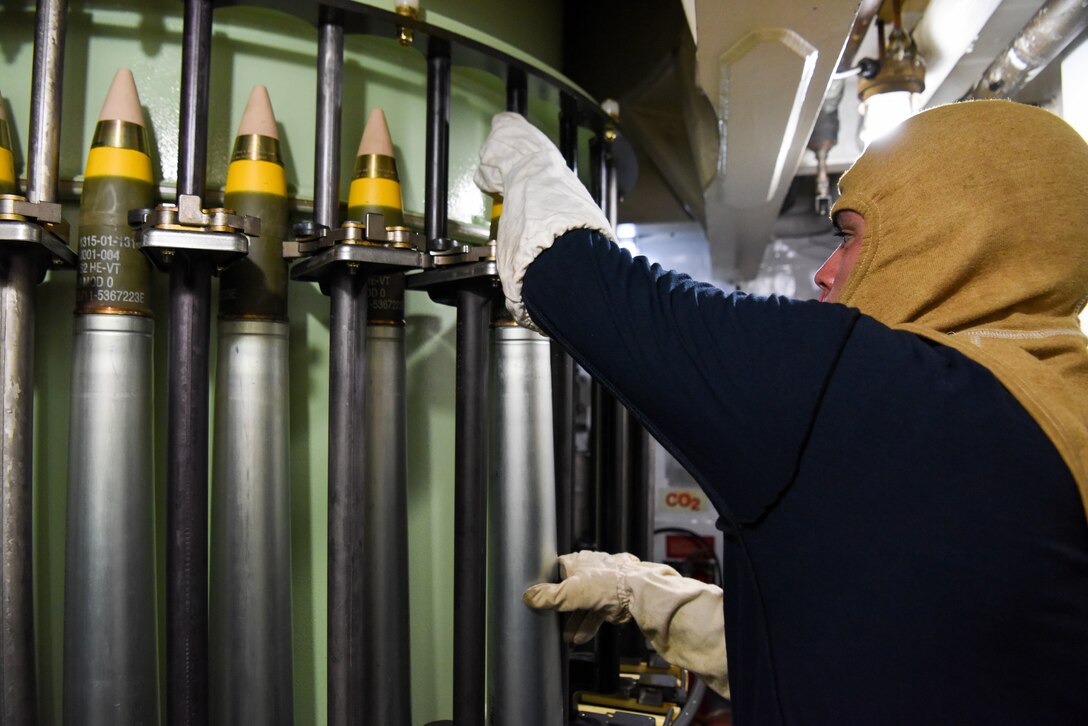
(375, 192)
(112, 161)
(265, 177)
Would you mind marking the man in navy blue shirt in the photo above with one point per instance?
(901, 476)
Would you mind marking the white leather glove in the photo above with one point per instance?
(542, 199)
(680, 616)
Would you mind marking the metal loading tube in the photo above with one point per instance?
(524, 646)
(385, 532)
(20, 271)
(250, 628)
(187, 406)
(110, 664)
(375, 188)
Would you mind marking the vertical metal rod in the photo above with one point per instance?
(18, 276)
(195, 72)
(19, 273)
(470, 506)
(611, 187)
(563, 386)
(347, 350)
(435, 218)
(640, 500)
(50, 25)
(606, 479)
(187, 493)
(517, 91)
(330, 91)
(187, 405)
(563, 413)
(608, 456)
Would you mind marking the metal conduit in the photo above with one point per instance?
(1056, 24)
(187, 405)
(330, 91)
(866, 12)
(19, 273)
(347, 347)
(435, 219)
(50, 28)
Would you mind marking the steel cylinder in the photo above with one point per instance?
(110, 666)
(525, 683)
(347, 469)
(385, 530)
(250, 607)
(18, 276)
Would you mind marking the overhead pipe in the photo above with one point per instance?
(864, 18)
(20, 272)
(110, 632)
(347, 347)
(524, 650)
(1053, 27)
(187, 405)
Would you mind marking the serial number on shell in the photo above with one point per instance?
(93, 293)
(88, 241)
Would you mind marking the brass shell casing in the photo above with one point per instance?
(119, 134)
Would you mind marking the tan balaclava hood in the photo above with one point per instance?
(976, 237)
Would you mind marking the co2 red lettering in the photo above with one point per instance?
(684, 500)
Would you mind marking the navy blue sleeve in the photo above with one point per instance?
(728, 383)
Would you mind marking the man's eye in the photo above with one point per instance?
(844, 236)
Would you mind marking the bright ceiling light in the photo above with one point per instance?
(882, 112)
(891, 96)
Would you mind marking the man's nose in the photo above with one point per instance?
(825, 276)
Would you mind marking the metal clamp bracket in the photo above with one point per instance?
(458, 264)
(367, 244)
(40, 227)
(188, 228)
(458, 267)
